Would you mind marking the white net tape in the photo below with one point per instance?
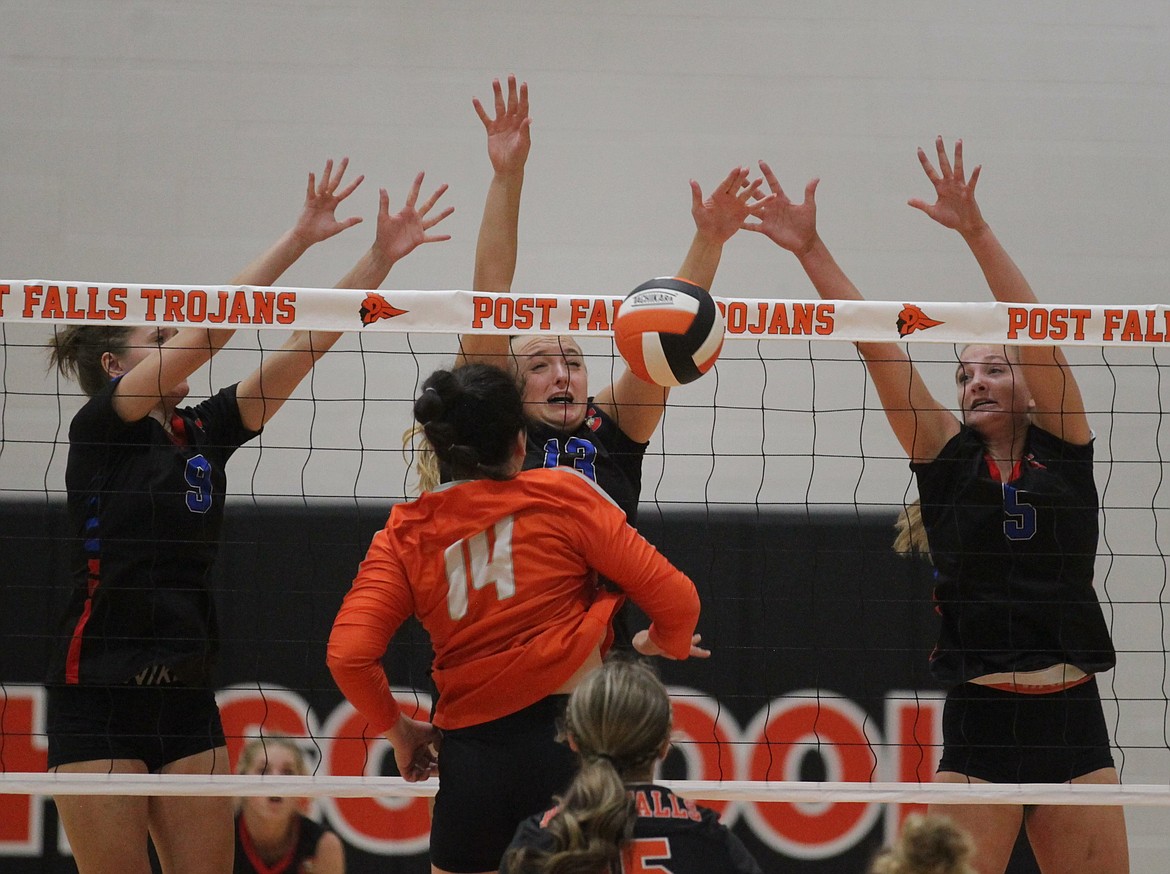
(701, 790)
(458, 312)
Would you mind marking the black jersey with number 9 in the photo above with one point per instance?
(145, 509)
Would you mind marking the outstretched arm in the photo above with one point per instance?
(1060, 409)
(638, 406)
(921, 424)
(262, 393)
(509, 140)
(398, 234)
(717, 218)
(155, 376)
(316, 222)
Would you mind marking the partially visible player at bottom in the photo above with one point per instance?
(500, 566)
(930, 844)
(613, 818)
(272, 835)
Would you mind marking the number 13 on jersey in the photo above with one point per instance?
(484, 559)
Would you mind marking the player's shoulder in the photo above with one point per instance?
(1045, 442)
(953, 461)
(96, 417)
(965, 442)
(220, 410)
(694, 829)
(565, 480)
(309, 824)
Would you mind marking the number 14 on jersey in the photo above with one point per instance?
(479, 561)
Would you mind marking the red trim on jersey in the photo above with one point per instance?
(73, 658)
(178, 432)
(254, 857)
(993, 469)
(1046, 689)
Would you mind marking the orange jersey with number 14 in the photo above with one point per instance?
(503, 576)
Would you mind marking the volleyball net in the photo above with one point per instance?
(774, 482)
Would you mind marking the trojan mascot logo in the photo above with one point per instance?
(376, 307)
(912, 319)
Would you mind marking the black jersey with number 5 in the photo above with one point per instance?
(672, 835)
(599, 449)
(1014, 560)
(145, 509)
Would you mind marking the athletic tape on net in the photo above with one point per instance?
(703, 790)
(466, 312)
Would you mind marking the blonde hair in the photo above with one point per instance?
(257, 749)
(417, 449)
(911, 539)
(619, 718)
(928, 845)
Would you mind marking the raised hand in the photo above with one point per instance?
(400, 233)
(509, 133)
(792, 226)
(720, 215)
(317, 221)
(955, 205)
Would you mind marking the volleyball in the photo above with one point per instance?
(669, 331)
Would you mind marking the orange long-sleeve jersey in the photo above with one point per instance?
(503, 576)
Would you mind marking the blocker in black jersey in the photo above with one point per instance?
(130, 685)
(146, 510)
(599, 449)
(1009, 518)
(671, 835)
(1014, 560)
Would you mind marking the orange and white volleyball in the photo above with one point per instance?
(669, 331)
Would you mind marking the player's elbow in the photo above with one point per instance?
(344, 656)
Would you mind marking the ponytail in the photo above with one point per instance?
(76, 351)
(594, 820)
(911, 532)
(619, 721)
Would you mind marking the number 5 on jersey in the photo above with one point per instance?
(1020, 516)
(642, 855)
(484, 559)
